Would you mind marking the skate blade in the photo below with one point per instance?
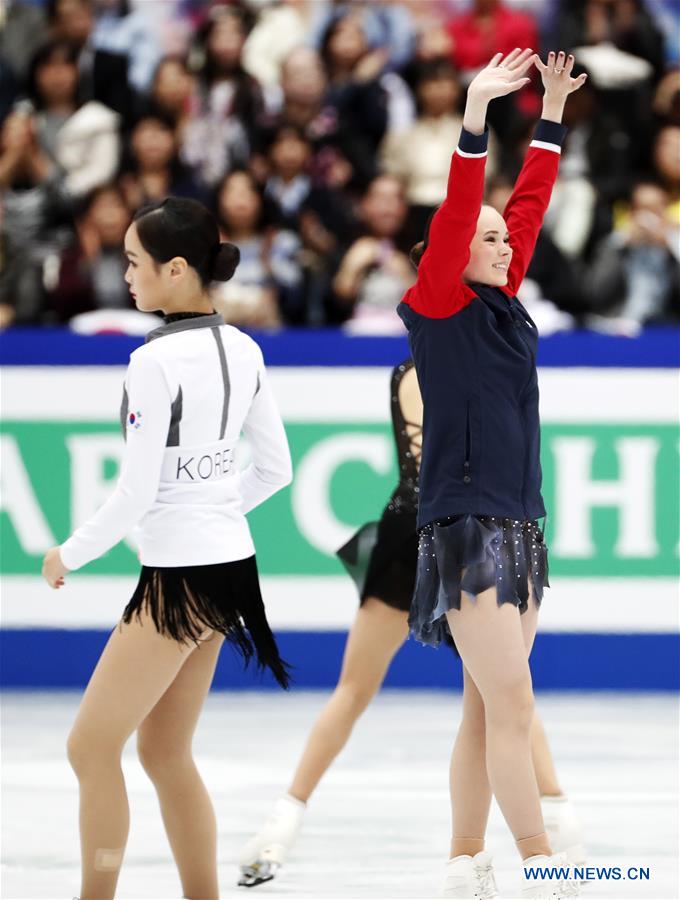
(259, 873)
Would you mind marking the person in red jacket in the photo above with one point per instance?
(482, 560)
(488, 27)
(381, 557)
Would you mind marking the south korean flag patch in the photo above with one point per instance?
(134, 420)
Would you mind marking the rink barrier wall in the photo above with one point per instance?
(659, 347)
(64, 659)
(610, 410)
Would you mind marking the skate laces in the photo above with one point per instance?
(486, 882)
(569, 888)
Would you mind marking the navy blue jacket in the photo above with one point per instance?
(474, 347)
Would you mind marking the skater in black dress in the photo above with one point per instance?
(381, 559)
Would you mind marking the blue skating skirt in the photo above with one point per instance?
(472, 554)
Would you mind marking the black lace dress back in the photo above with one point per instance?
(382, 556)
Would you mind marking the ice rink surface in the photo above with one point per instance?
(378, 826)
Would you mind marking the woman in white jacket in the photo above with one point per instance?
(190, 392)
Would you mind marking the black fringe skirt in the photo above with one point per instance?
(184, 601)
(472, 554)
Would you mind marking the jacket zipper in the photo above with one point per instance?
(519, 322)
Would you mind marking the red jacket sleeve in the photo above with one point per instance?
(526, 207)
(439, 290)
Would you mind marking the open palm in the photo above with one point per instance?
(502, 76)
(556, 74)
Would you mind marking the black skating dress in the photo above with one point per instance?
(382, 556)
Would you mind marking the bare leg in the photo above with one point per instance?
(544, 765)
(133, 673)
(468, 779)
(494, 643)
(376, 635)
(164, 744)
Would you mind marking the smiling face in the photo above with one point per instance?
(490, 251)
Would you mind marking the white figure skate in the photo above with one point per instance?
(470, 878)
(264, 854)
(563, 829)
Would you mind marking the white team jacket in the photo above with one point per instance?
(189, 393)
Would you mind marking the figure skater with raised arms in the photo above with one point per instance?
(482, 560)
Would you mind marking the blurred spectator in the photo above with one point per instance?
(420, 156)
(291, 190)
(667, 16)
(316, 222)
(666, 155)
(666, 152)
(32, 203)
(667, 98)
(218, 137)
(374, 273)
(303, 106)
(621, 45)
(280, 28)
(250, 298)
(288, 185)
(75, 144)
(388, 27)
(595, 171)
(551, 290)
(153, 169)
(173, 92)
(90, 274)
(9, 89)
(354, 91)
(128, 32)
(10, 274)
(22, 32)
(489, 27)
(34, 221)
(635, 276)
(626, 24)
(103, 75)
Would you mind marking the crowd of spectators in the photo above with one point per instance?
(320, 132)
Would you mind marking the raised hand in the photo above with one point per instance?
(502, 76)
(558, 83)
(556, 74)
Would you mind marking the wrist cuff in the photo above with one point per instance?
(550, 133)
(64, 554)
(473, 144)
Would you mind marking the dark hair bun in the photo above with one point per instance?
(226, 259)
(416, 253)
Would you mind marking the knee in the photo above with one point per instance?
(355, 696)
(88, 752)
(160, 761)
(512, 706)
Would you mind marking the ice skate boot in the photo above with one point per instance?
(470, 878)
(545, 887)
(563, 829)
(265, 853)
